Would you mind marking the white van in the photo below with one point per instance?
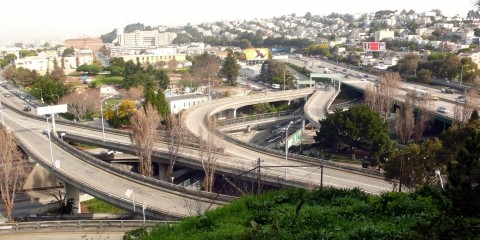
(276, 86)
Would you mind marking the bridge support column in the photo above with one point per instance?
(288, 102)
(72, 192)
(303, 124)
(162, 172)
(231, 113)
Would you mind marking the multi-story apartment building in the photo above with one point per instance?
(146, 38)
(93, 44)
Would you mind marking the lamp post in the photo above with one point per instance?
(286, 148)
(50, 139)
(1, 112)
(129, 193)
(437, 172)
(461, 75)
(41, 94)
(209, 89)
(101, 113)
(58, 97)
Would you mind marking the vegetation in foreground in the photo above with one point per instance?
(98, 206)
(327, 214)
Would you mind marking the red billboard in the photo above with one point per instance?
(374, 46)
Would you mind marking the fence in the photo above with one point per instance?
(80, 224)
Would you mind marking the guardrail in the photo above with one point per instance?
(253, 118)
(277, 153)
(159, 184)
(190, 141)
(92, 190)
(124, 202)
(80, 224)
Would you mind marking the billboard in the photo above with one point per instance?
(257, 53)
(52, 109)
(375, 46)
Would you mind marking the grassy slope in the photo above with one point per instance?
(327, 214)
(98, 206)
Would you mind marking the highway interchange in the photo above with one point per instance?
(97, 180)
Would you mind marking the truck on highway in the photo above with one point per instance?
(447, 90)
(298, 56)
(420, 93)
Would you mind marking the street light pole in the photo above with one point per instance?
(50, 139)
(101, 113)
(286, 148)
(1, 112)
(129, 193)
(41, 94)
(209, 92)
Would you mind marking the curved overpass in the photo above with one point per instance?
(194, 120)
(162, 200)
(317, 104)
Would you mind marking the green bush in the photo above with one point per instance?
(326, 214)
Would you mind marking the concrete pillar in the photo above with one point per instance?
(288, 102)
(72, 192)
(303, 124)
(162, 172)
(231, 113)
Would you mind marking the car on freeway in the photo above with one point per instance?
(27, 109)
(433, 97)
(6, 95)
(442, 110)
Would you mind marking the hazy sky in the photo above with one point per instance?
(27, 20)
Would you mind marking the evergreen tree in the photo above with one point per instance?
(474, 116)
(464, 176)
(230, 69)
(162, 104)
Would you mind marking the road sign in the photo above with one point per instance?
(295, 138)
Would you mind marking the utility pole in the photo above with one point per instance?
(321, 173)
(401, 174)
(258, 177)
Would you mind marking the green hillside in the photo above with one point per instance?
(327, 214)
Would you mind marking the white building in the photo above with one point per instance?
(181, 102)
(166, 38)
(41, 64)
(146, 38)
(384, 34)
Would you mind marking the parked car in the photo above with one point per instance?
(442, 110)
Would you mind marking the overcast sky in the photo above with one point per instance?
(27, 20)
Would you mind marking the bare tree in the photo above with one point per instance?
(144, 126)
(387, 90)
(134, 93)
(405, 121)
(172, 65)
(176, 136)
(13, 170)
(370, 98)
(463, 111)
(380, 99)
(205, 66)
(209, 155)
(79, 104)
(160, 64)
(423, 118)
